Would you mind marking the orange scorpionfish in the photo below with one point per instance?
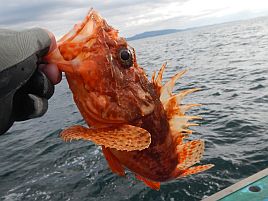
(140, 124)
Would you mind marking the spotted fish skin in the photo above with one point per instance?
(140, 124)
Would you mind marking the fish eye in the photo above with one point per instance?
(125, 56)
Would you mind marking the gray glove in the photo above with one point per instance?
(24, 90)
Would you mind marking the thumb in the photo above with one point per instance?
(53, 44)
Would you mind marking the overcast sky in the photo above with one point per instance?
(130, 17)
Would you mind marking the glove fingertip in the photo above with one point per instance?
(28, 106)
(40, 106)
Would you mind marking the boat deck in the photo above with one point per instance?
(253, 188)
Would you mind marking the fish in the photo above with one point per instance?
(140, 124)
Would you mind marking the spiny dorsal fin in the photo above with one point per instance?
(180, 123)
(157, 81)
(166, 90)
(184, 108)
(176, 99)
(172, 103)
(153, 77)
(191, 152)
(160, 74)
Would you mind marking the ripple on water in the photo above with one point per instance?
(227, 61)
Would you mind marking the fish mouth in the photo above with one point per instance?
(74, 40)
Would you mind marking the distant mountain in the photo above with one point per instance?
(153, 33)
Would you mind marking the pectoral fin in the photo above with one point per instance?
(123, 138)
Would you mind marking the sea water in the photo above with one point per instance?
(229, 62)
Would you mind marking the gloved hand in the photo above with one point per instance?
(25, 83)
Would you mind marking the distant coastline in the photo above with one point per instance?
(148, 34)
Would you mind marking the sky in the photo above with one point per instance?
(129, 17)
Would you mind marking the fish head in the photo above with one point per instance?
(102, 72)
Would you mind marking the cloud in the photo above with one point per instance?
(58, 15)
(21, 11)
(18, 11)
(130, 17)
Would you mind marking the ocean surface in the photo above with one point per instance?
(229, 62)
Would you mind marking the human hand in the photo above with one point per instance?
(51, 70)
(26, 83)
